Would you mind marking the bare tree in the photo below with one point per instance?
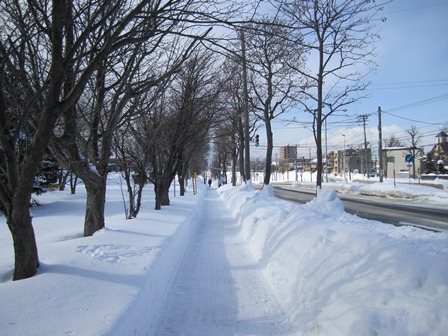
(156, 49)
(231, 120)
(132, 146)
(413, 142)
(338, 36)
(222, 153)
(196, 100)
(180, 123)
(233, 109)
(39, 49)
(122, 78)
(51, 50)
(273, 85)
(393, 141)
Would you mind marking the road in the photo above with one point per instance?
(395, 212)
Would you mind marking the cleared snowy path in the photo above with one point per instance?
(218, 289)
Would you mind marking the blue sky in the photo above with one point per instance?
(410, 84)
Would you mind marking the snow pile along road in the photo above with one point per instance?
(337, 274)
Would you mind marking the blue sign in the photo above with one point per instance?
(409, 158)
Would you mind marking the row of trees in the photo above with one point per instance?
(83, 79)
(168, 132)
(76, 74)
(314, 57)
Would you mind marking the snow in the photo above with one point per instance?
(228, 261)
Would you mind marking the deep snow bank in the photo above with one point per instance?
(112, 283)
(387, 189)
(337, 274)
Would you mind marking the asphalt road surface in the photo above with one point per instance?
(397, 212)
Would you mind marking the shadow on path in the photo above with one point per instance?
(212, 294)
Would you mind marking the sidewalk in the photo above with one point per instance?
(219, 289)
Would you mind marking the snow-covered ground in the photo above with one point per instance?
(427, 191)
(228, 261)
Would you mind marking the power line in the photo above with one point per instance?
(407, 87)
(416, 121)
(412, 82)
(408, 84)
(415, 104)
(417, 8)
(421, 102)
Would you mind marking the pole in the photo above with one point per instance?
(311, 170)
(246, 111)
(343, 160)
(326, 153)
(296, 169)
(366, 161)
(380, 145)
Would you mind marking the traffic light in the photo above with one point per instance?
(257, 140)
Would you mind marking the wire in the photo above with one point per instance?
(421, 102)
(408, 85)
(412, 82)
(417, 8)
(416, 121)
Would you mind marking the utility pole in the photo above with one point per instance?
(364, 118)
(380, 145)
(343, 160)
(246, 111)
(326, 152)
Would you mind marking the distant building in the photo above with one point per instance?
(288, 153)
(394, 162)
(439, 153)
(287, 158)
(352, 160)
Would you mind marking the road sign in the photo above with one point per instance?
(409, 158)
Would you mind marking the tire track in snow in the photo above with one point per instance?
(218, 289)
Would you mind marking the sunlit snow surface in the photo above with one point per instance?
(329, 273)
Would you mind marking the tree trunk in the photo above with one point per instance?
(139, 201)
(318, 118)
(161, 189)
(25, 248)
(127, 178)
(182, 185)
(165, 196)
(96, 199)
(319, 152)
(234, 163)
(141, 180)
(62, 179)
(224, 171)
(182, 171)
(158, 198)
(270, 146)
